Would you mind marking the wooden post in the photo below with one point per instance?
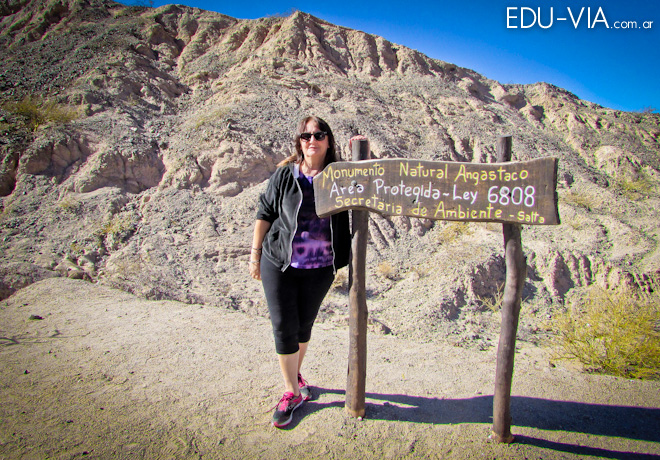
(516, 272)
(357, 300)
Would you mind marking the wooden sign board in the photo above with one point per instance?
(522, 192)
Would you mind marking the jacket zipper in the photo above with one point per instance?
(295, 228)
(332, 246)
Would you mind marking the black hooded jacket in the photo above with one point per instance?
(279, 205)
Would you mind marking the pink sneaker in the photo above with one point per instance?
(284, 411)
(304, 389)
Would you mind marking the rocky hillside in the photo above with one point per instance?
(134, 143)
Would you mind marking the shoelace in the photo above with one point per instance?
(285, 399)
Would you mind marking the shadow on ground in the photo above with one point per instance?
(636, 423)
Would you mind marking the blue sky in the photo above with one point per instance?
(563, 42)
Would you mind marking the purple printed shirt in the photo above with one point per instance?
(312, 243)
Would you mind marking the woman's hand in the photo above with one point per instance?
(254, 264)
(358, 137)
(255, 270)
(261, 227)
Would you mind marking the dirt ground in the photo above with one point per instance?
(104, 374)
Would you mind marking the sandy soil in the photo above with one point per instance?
(108, 375)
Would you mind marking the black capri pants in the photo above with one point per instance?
(294, 297)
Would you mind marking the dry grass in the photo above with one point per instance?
(493, 303)
(217, 116)
(36, 112)
(638, 188)
(341, 280)
(77, 248)
(613, 332)
(453, 231)
(420, 271)
(576, 222)
(386, 270)
(69, 205)
(116, 225)
(581, 200)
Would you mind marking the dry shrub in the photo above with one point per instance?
(613, 332)
(493, 303)
(576, 221)
(420, 271)
(220, 115)
(452, 231)
(340, 282)
(117, 224)
(69, 205)
(37, 112)
(386, 270)
(638, 188)
(581, 200)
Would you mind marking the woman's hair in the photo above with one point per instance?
(330, 156)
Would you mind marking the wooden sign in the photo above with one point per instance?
(522, 192)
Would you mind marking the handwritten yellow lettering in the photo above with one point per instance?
(461, 173)
(419, 211)
(440, 209)
(326, 174)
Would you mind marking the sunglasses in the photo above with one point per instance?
(318, 135)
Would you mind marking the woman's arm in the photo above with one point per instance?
(261, 227)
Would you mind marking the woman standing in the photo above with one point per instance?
(296, 255)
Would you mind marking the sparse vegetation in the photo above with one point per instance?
(420, 271)
(637, 188)
(575, 221)
(581, 200)
(126, 269)
(386, 270)
(217, 116)
(613, 332)
(69, 205)
(35, 112)
(452, 231)
(117, 225)
(493, 303)
(341, 279)
(76, 248)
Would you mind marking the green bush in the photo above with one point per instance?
(36, 112)
(613, 332)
